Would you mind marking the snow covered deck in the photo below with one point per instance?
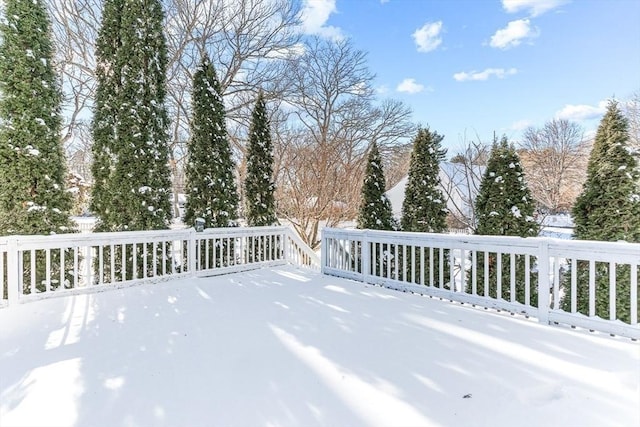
(290, 347)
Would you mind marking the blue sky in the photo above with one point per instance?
(468, 68)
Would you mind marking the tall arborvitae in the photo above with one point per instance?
(259, 185)
(424, 207)
(131, 173)
(504, 207)
(608, 209)
(33, 199)
(211, 188)
(609, 206)
(375, 208)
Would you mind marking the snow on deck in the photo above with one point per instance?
(289, 347)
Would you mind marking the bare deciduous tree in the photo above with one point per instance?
(554, 161)
(460, 180)
(632, 112)
(333, 119)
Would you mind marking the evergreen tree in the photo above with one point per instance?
(375, 208)
(211, 189)
(259, 185)
(130, 169)
(609, 206)
(424, 207)
(608, 209)
(504, 207)
(33, 199)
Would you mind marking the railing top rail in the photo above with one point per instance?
(298, 241)
(244, 230)
(563, 245)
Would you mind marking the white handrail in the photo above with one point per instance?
(34, 267)
(555, 280)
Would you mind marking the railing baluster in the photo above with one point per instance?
(512, 278)
(33, 271)
(48, 272)
(612, 291)
(527, 280)
(634, 294)
(474, 272)
(592, 288)
(574, 285)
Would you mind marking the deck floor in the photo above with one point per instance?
(290, 347)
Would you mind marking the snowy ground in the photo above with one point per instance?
(286, 347)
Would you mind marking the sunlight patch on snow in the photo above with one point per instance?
(114, 383)
(582, 374)
(78, 315)
(338, 289)
(377, 407)
(322, 303)
(293, 276)
(48, 395)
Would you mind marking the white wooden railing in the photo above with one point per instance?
(30, 266)
(558, 281)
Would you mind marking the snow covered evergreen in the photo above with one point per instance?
(211, 189)
(130, 170)
(504, 207)
(375, 209)
(259, 185)
(33, 199)
(424, 207)
(608, 209)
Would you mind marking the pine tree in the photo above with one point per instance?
(504, 207)
(33, 199)
(259, 186)
(375, 208)
(424, 207)
(211, 189)
(130, 169)
(607, 209)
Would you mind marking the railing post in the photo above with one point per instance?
(13, 271)
(543, 282)
(323, 251)
(191, 252)
(365, 256)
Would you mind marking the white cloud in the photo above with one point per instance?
(582, 111)
(315, 14)
(410, 86)
(521, 125)
(427, 37)
(535, 7)
(513, 34)
(500, 73)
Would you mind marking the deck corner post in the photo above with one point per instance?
(544, 287)
(191, 252)
(13, 271)
(365, 258)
